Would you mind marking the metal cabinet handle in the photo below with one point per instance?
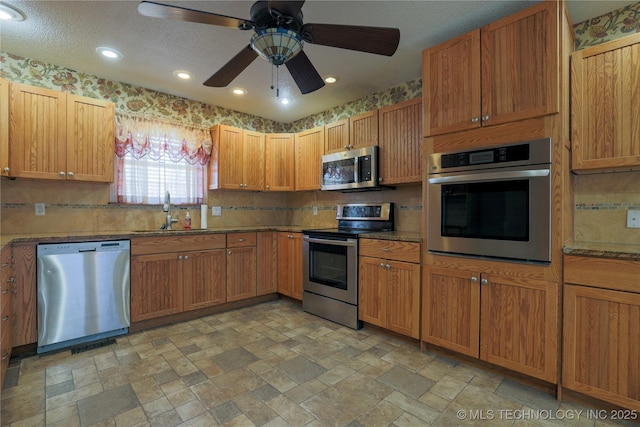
(475, 119)
(387, 266)
(186, 257)
(485, 118)
(179, 256)
(5, 264)
(484, 281)
(267, 186)
(5, 291)
(241, 240)
(70, 174)
(5, 317)
(5, 356)
(11, 280)
(229, 253)
(474, 279)
(6, 169)
(61, 173)
(382, 264)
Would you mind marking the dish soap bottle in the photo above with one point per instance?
(187, 221)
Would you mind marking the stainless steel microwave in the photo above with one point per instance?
(353, 169)
(493, 202)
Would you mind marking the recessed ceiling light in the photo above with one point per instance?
(182, 74)
(108, 52)
(9, 13)
(284, 101)
(330, 79)
(238, 91)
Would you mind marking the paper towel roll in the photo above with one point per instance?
(204, 209)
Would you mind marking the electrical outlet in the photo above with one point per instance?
(315, 210)
(216, 210)
(39, 209)
(633, 219)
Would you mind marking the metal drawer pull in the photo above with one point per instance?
(5, 356)
(5, 317)
(474, 279)
(5, 291)
(484, 281)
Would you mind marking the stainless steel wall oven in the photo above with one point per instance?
(493, 202)
(330, 261)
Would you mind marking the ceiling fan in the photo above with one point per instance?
(279, 38)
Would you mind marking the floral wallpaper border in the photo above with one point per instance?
(607, 27)
(136, 100)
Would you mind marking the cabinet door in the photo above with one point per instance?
(400, 145)
(279, 162)
(156, 286)
(267, 268)
(372, 299)
(4, 128)
(309, 151)
(38, 133)
(253, 161)
(403, 298)
(6, 310)
(520, 60)
(90, 139)
(605, 125)
(227, 157)
(290, 264)
(601, 351)
(203, 275)
(25, 326)
(451, 85)
(336, 136)
(241, 273)
(451, 310)
(520, 325)
(363, 130)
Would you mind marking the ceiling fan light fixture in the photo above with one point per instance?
(277, 45)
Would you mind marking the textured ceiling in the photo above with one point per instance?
(66, 33)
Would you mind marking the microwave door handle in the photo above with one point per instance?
(356, 169)
(490, 176)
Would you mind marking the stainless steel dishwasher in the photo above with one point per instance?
(83, 292)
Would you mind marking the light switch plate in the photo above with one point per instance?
(216, 210)
(633, 219)
(39, 209)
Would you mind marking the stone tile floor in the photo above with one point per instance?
(269, 365)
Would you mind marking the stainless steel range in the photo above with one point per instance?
(330, 261)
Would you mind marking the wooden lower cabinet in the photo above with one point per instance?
(24, 301)
(176, 280)
(508, 321)
(290, 264)
(6, 312)
(601, 329)
(267, 263)
(241, 266)
(389, 287)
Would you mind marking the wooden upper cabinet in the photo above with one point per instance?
(606, 106)
(336, 136)
(400, 142)
(363, 130)
(4, 127)
(279, 162)
(90, 139)
(503, 72)
(237, 159)
(38, 133)
(60, 136)
(451, 85)
(309, 151)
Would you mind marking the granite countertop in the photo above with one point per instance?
(603, 250)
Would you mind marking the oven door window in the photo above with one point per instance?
(497, 210)
(328, 265)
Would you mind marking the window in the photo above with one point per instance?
(153, 157)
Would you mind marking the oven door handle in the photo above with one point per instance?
(348, 242)
(491, 176)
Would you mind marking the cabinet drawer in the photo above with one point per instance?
(390, 249)
(607, 273)
(238, 240)
(165, 244)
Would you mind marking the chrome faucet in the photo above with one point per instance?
(167, 208)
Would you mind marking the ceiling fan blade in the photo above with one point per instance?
(159, 10)
(233, 68)
(288, 8)
(378, 40)
(304, 73)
